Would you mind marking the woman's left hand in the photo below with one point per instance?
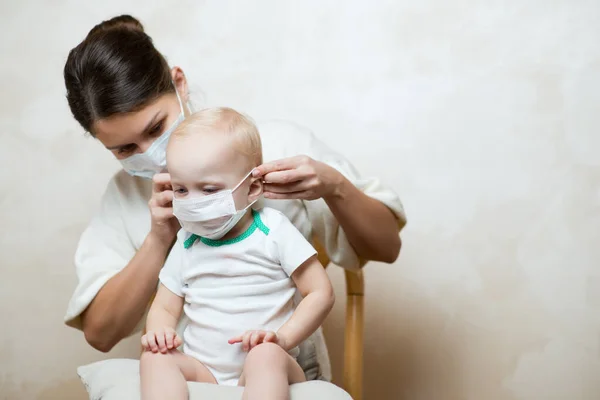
(298, 177)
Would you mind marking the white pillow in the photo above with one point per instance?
(99, 377)
(119, 379)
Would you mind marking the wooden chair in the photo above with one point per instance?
(353, 341)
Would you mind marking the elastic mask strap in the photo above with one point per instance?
(249, 205)
(239, 184)
(242, 181)
(178, 99)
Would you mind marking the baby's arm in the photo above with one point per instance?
(318, 298)
(162, 321)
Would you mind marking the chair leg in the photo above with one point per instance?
(353, 351)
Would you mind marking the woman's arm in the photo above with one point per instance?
(122, 301)
(370, 226)
(120, 304)
(372, 229)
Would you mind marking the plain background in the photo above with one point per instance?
(483, 115)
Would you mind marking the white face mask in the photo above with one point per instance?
(153, 160)
(210, 216)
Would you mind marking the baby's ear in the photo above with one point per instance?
(256, 189)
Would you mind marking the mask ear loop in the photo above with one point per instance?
(239, 184)
(179, 100)
(242, 181)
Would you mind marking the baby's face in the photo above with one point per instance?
(204, 164)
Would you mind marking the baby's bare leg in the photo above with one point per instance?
(268, 373)
(164, 376)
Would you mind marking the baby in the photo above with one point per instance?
(238, 275)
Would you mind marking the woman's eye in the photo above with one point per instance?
(126, 149)
(156, 129)
(180, 191)
(210, 190)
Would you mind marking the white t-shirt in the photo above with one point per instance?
(236, 285)
(119, 228)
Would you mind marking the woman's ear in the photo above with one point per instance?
(181, 84)
(256, 189)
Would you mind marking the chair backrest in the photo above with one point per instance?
(321, 253)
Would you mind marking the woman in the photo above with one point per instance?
(122, 91)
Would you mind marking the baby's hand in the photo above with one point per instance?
(162, 340)
(251, 339)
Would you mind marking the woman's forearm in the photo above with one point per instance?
(371, 227)
(121, 303)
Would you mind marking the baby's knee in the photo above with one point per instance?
(266, 356)
(149, 358)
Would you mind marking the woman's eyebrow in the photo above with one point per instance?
(146, 129)
(150, 124)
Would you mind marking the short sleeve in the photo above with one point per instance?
(291, 246)
(170, 275)
(103, 250)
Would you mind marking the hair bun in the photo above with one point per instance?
(119, 22)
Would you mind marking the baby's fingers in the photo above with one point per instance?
(246, 341)
(237, 339)
(270, 337)
(151, 340)
(160, 340)
(177, 341)
(169, 340)
(145, 345)
(256, 338)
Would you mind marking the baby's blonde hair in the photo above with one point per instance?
(228, 121)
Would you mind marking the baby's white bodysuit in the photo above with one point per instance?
(232, 286)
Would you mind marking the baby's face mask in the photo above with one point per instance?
(211, 216)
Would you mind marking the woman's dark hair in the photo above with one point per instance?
(115, 70)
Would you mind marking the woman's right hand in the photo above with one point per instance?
(164, 225)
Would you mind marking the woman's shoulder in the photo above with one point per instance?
(125, 206)
(127, 189)
(284, 126)
(281, 138)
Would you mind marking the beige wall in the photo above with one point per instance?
(483, 116)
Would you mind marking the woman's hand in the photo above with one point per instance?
(298, 177)
(164, 225)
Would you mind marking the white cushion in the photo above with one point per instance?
(119, 379)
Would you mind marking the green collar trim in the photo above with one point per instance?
(256, 224)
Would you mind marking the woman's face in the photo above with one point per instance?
(128, 134)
